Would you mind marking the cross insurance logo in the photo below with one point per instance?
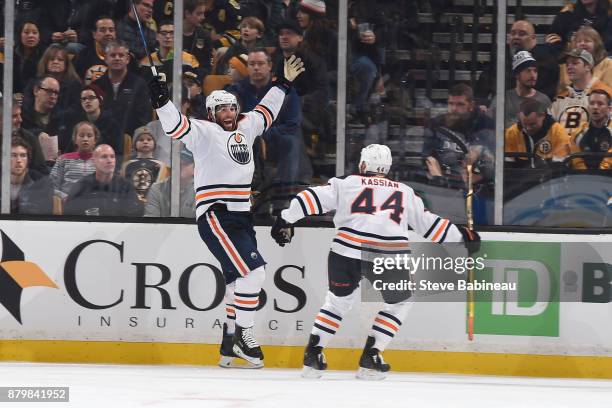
(17, 274)
(533, 308)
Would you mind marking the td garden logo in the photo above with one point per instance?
(17, 274)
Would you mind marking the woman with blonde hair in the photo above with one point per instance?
(56, 62)
(587, 38)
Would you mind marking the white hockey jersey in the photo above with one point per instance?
(373, 214)
(223, 160)
(570, 107)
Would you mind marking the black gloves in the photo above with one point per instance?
(158, 88)
(282, 232)
(471, 239)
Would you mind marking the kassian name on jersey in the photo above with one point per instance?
(371, 181)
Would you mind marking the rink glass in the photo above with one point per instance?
(419, 54)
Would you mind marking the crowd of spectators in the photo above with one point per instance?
(83, 126)
(80, 73)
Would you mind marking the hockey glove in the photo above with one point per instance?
(471, 240)
(158, 88)
(292, 69)
(282, 232)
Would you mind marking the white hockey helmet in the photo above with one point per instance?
(377, 159)
(218, 98)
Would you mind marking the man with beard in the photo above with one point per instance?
(522, 38)
(538, 135)
(524, 69)
(596, 136)
(444, 158)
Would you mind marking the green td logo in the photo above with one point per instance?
(532, 308)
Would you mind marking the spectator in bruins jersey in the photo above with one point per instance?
(570, 106)
(90, 63)
(538, 135)
(196, 40)
(164, 56)
(586, 38)
(143, 169)
(595, 136)
(575, 15)
(127, 29)
(222, 18)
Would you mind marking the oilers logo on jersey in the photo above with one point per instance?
(238, 148)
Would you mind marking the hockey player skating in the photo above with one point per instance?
(223, 157)
(373, 215)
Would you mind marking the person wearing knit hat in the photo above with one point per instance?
(318, 35)
(144, 169)
(525, 72)
(314, 6)
(522, 60)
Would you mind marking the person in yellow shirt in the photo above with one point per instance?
(595, 136)
(538, 135)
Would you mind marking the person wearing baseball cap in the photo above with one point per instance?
(158, 197)
(525, 73)
(570, 107)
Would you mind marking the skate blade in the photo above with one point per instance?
(254, 361)
(235, 362)
(309, 372)
(370, 375)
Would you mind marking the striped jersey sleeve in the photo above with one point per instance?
(429, 225)
(312, 201)
(176, 125)
(266, 111)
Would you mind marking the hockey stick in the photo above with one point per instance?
(144, 40)
(462, 144)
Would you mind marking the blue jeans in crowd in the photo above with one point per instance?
(363, 72)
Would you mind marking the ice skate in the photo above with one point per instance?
(314, 359)
(246, 347)
(228, 357)
(372, 366)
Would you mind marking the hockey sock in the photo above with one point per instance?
(327, 322)
(246, 296)
(387, 323)
(230, 311)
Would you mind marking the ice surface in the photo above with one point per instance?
(117, 386)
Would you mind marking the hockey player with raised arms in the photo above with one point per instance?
(222, 148)
(373, 215)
